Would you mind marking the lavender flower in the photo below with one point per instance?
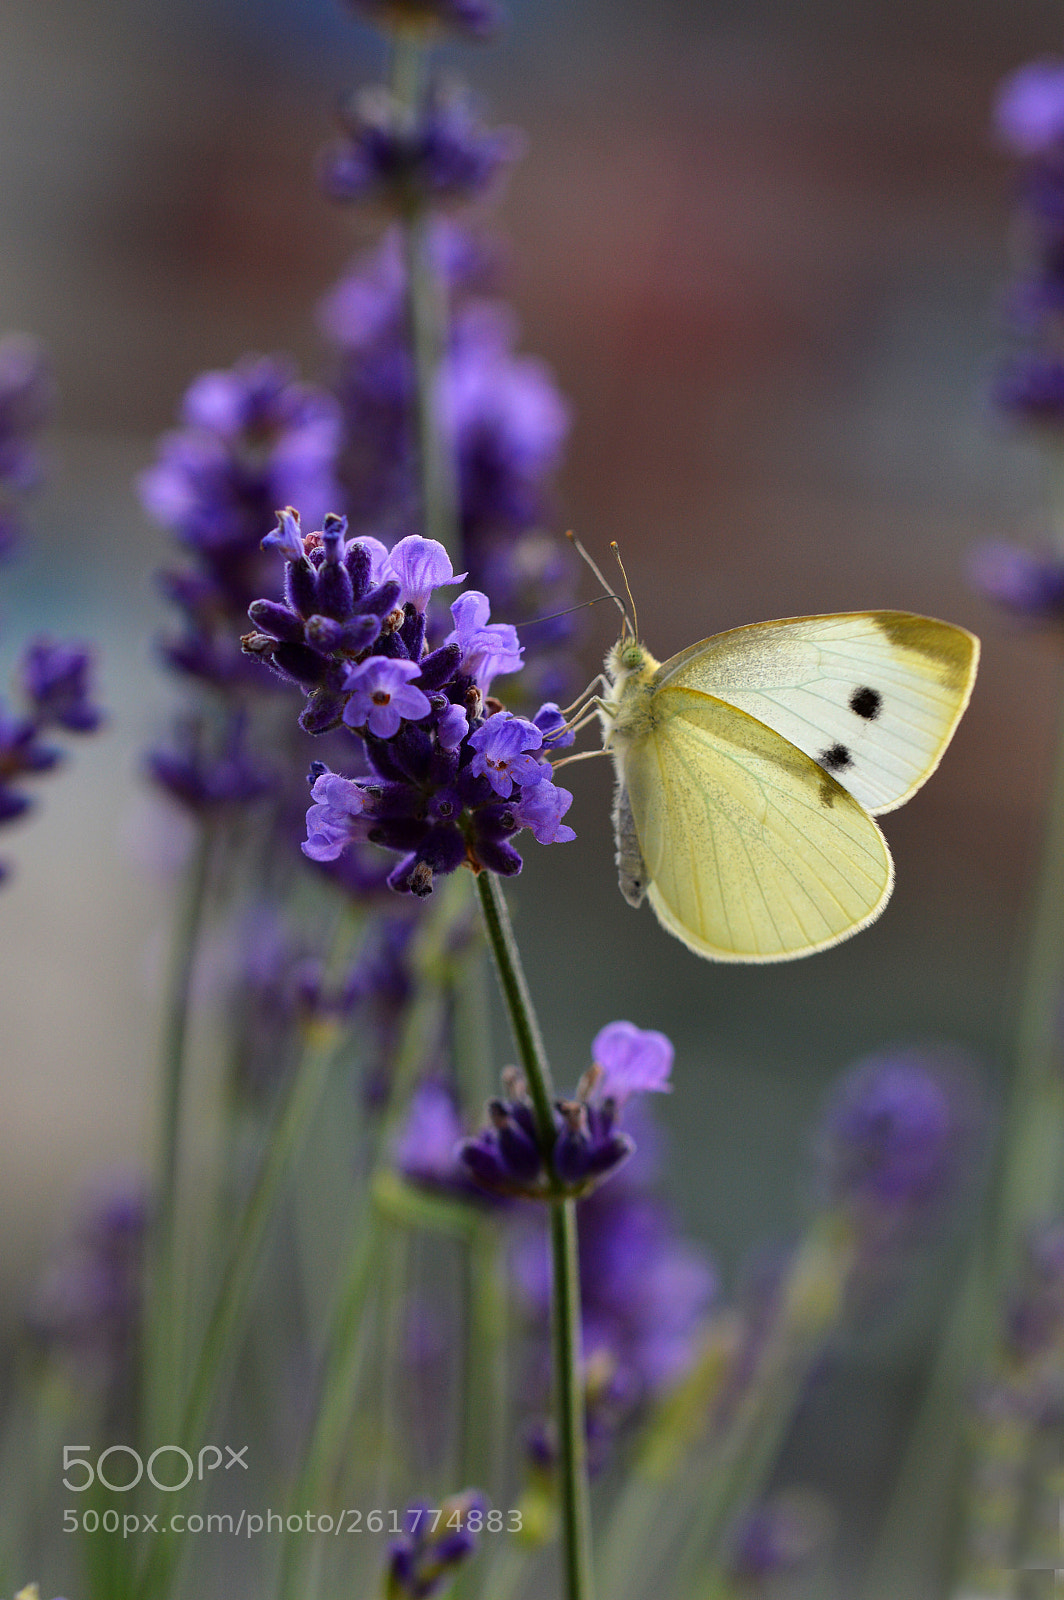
(26, 401)
(778, 1540)
(633, 1060)
(1028, 582)
(448, 783)
(202, 774)
(398, 159)
(508, 1158)
(501, 416)
(54, 679)
(890, 1141)
(1029, 109)
(428, 1556)
(87, 1308)
(253, 438)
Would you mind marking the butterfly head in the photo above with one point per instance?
(627, 659)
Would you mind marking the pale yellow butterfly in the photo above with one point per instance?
(750, 766)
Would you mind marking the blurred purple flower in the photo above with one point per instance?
(892, 1136)
(435, 1545)
(632, 1060)
(1029, 109)
(438, 156)
(1026, 581)
(55, 681)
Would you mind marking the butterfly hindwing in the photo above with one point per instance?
(872, 696)
(753, 852)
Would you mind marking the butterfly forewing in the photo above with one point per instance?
(753, 851)
(872, 696)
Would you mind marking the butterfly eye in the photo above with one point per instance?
(632, 656)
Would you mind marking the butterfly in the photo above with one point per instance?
(751, 765)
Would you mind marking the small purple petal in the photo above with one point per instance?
(633, 1060)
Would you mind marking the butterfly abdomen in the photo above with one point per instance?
(631, 871)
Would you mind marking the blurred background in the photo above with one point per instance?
(762, 247)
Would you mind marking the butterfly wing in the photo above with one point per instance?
(873, 696)
(753, 852)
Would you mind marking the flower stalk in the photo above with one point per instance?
(565, 1282)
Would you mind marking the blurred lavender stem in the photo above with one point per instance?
(237, 1282)
(704, 1493)
(427, 319)
(163, 1354)
(565, 1280)
(1033, 1145)
(360, 1261)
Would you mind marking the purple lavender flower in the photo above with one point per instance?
(541, 809)
(633, 1060)
(891, 1137)
(253, 439)
(428, 1139)
(203, 775)
(55, 681)
(507, 422)
(1029, 109)
(433, 1547)
(508, 1157)
(392, 157)
(381, 695)
(475, 18)
(1028, 582)
(441, 771)
(26, 401)
(419, 566)
(489, 649)
(503, 745)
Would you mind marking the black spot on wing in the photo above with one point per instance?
(866, 703)
(836, 759)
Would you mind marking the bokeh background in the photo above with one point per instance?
(762, 247)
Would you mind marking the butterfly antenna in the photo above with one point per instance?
(627, 586)
(609, 594)
(583, 605)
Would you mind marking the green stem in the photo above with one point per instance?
(1030, 1182)
(569, 1399)
(162, 1375)
(565, 1285)
(427, 318)
(518, 1003)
